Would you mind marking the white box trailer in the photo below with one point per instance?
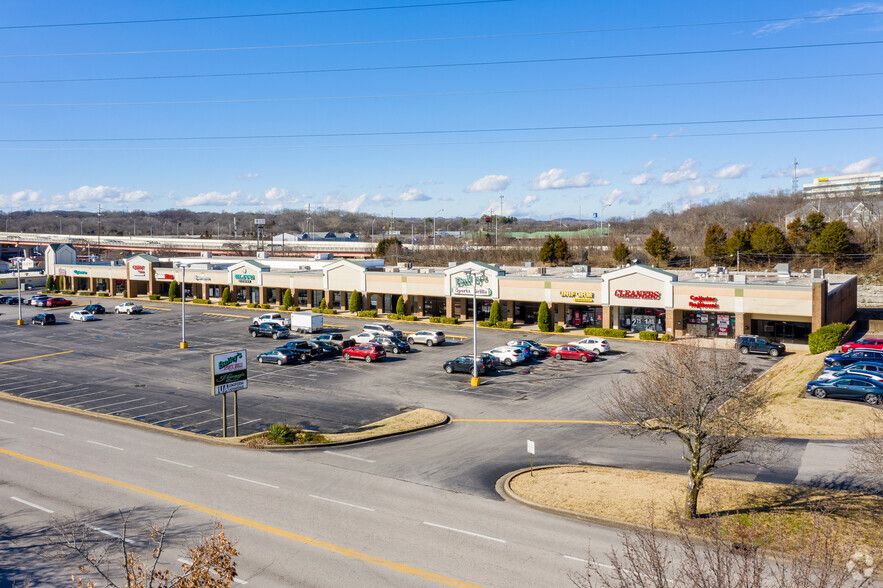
(306, 322)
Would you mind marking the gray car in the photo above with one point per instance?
(428, 338)
(392, 344)
(382, 329)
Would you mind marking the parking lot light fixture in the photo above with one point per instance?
(183, 267)
(18, 267)
(476, 379)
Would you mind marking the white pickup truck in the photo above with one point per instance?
(127, 308)
(273, 317)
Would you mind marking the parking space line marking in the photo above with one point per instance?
(188, 415)
(175, 462)
(116, 403)
(72, 397)
(252, 481)
(7, 422)
(158, 411)
(535, 421)
(108, 533)
(233, 315)
(48, 431)
(349, 456)
(339, 502)
(32, 505)
(465, 532)
(45, 388)
(240, 424)
(56, 393)
(36, 357)
(76, 404)
(105, 445)
(158, 308)
(25, 386)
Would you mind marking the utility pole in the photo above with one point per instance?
(99, 231)
(498, 220)
(794, 179)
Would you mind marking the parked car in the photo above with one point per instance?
(268, 330)
(43, 319)
(573, 352)
(54, 302)
(272, 317)
(848, 388)
(4, 299)
(428, 338)
(862, 344)
(13, 300)
(862, 368)
(303, 349)
(95, 308)
(82, 315)
(368, 351)
(334, 339)
(393, 344)
(324, 349)
(381, 329)
(30, 301)
(364, 337)
(278, 356)
(535, 348)
(754, 344)
(128, 308)
(509, 355)
(854, 356)
(465, 365)
(597, 345)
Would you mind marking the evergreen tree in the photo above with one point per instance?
(50, 282)
(286, 299)
(715, 243)
(322, 304)
(832, 241)
(798, 235)
(389, 244)
(815, 224)
(173, 289)
(495, 317)
(355, 302)
(739, 241)
(544, 319)
(769, 240)
(621, 253)
(554, 250)
(658, 245)
(225, 296)
(400, 306)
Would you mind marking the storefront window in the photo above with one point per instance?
(781, 329)
(583, 316)
(710, 324)
(642, 319)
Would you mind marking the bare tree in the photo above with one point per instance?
(707, 558)
(702, 398)
(867, 453)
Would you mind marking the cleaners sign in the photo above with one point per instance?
(229, 372)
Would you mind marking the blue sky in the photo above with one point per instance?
(403, 109)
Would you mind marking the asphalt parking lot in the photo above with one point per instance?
(132, 367)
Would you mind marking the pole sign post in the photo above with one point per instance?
(229, 374)
(531, 449)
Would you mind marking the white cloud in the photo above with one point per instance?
(529, 199)
(412, 195)
(248, 176)
(276, 194)
(611, 196)
(379, 198)
(600, 182)
(337, 202)
(554, 180)
(682, 173)
(492, 183)
(642, 179)
(733, 171)
(860, 167)
(802, 172)
(446, 199)
(817, 17)
(211, 199)
(701, 189)
(22, 199)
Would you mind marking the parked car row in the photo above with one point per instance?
(522, 350)
(854, 373)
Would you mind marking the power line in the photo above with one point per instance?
(453, 65)
(456, 131)
(254, 15)
(442, 39)
(448, 143)
(442, 94)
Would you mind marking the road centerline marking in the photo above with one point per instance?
(36, 357)
(31, 504)
(349, 456)
(108, 533)
(303, 539)
(252, 481)
(48, 431)
(7, 422)
(479, 535)
(105, 445)
(340, 502)
(174, 462)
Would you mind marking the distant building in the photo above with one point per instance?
(854, 214)
(871, 185)
(282, 238)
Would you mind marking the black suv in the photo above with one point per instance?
(46, 318)
(754, 344)
(268, 330)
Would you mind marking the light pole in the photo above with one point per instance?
(18, 267)
(81, 225)
(372, 229)
(497, 236)
(473, 278)
(434, 231)
(133, 227)
(183, 267)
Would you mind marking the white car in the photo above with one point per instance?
(509, 355)
(596, 344)
(364, 337)
(273, 317)
(824, 376)
(82, 315)
(128, 308)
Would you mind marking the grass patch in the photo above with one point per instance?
(400, 423)
(802, 416)
(631, 496)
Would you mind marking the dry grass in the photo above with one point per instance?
(400, 423)
(631, 496)
(802, 416)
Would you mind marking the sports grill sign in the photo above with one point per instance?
(229, 372)
(462, 285)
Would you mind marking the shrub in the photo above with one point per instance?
(46, 291)
(495, 317)
(86, 293)
(125, 294)
(665, 337)
(281, 434)
(67, 292)
(173, 289)
(392, 316)
(286, 298)
(175, 300)
(323, 305)
(355, 302)
(596, 332)
(544, 320)
(368, 313)
(201, 301)
(153, 296)
(504, 324)
(826, 338)
(559, 329)
(317, 310)
(225, 296)
(265, 306)
(648, 336)
(400, 306)
(408, 317)
(329, 311)
(103, 294)
(252, 305)
(295, 309)
(446, 320)
(234, 304)
(484, 323)
(50, 282)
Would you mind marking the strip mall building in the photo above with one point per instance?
(635, 297)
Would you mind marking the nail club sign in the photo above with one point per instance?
(703, 302)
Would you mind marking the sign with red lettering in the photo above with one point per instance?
(138, 271)
(639, 294)
(703, 302)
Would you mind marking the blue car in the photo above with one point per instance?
(862, 368)
(849, 388)
(854, 356)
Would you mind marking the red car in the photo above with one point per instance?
(573, 352)
(863, 344)
(367, 351)
(57, 302)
